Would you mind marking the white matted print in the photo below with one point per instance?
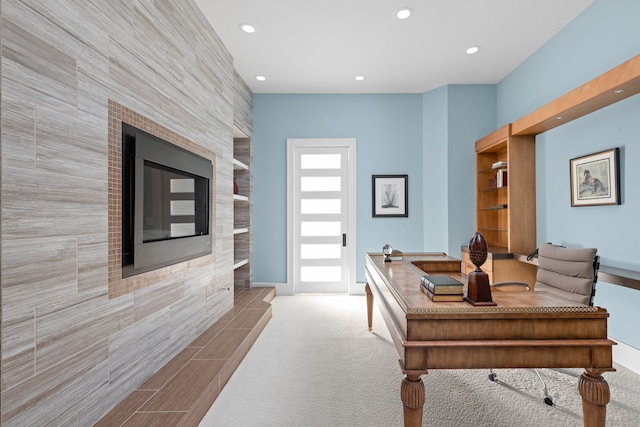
(389, 194)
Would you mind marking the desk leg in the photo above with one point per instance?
(595, 396)
(367, 289)
(413, 397)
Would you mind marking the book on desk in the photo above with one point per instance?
(442, 288)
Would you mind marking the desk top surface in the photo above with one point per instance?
(403, 281)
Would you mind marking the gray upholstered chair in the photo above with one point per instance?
(568, 273)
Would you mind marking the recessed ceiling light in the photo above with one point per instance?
(359, 78)
(404, 13)
(618, 91)
(559, 117)
(261, 78)
(247, 28)
(472, 50)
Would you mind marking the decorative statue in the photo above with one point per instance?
(478, 291)
(477, 250)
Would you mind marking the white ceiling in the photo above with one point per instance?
(319, 46)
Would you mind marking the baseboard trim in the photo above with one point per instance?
(287, 289)
(627, 356)
(281, 288)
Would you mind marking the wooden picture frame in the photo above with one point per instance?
(390, 195)
(595, 179)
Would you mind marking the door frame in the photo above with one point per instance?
(350, 144)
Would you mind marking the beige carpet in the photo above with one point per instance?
(315, 364)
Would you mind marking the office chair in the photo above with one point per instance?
(568, 273)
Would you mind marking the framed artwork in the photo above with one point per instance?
(390, 195)
(595, 179)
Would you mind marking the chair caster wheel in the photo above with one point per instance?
(548, 400)
(492, 377)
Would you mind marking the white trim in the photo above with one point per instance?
(627, 356)
(357, 289)
(281, 288)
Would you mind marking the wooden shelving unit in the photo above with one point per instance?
(505, 214)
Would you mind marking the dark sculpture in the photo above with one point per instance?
(478, 291)
(477, 250)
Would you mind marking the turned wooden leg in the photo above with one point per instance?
(413, 397)
(367, 289)
(595, 396)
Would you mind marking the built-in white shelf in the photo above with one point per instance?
(239, 263)
(239, 166)
(240, 230)
(240, 198)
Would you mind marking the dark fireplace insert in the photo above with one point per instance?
(166, 199)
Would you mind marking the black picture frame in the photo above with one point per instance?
(595, 179)
(390, 196)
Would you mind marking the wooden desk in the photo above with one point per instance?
(524, 330)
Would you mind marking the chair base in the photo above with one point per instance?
(548, 399)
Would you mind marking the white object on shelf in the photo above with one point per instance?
(239, 166)
(240, 230)
(497, 165)
(239, 263)
(240, 198)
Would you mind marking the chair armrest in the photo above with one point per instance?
(504, 284)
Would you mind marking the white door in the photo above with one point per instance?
(321, 215)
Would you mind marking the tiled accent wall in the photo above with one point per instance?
(119, 286)
(72, 348)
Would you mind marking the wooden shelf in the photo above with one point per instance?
(240, 230)
(615, 85)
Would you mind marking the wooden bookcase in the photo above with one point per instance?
(505, 215)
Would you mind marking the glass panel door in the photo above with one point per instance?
(319, 216)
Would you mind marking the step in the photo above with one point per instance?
(183, 390)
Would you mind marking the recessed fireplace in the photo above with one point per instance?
(166, 197)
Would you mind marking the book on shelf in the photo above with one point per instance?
(501, 178)
(444, 285)
(497, 207)
(442, 297)
(497, 165)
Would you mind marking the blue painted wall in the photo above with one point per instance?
(472, 115)
(454, 117)
(431, 138)
(388, 132)
(603, 36)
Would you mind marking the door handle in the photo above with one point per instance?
(344, 239)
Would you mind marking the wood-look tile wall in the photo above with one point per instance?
(69, 351)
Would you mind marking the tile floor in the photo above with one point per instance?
(182, 391)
